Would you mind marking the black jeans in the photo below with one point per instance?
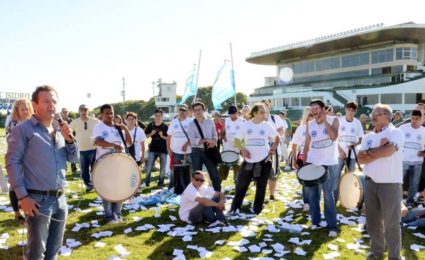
(199, 158)
(244, 179)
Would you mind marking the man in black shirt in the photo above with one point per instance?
(157, 130)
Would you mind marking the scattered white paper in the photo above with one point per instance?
(121, 250)
(300, 251)
(416, 247)
(100, 244)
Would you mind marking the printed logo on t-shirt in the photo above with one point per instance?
(325, 131)
(419, 137)
(262, 132)
(237, 127)
(105, 134)
(303, 133)
(255, 142)
(369, 143)
(413, 146)
(353, 130)
(343, 128)
(228, 127)
(313, 133)
(321, 144)
(347, 138)
(117, 134)
(176, 126)
(407, 135)
(249, 131)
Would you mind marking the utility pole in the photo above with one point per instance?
(123, 97)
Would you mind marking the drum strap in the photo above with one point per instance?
(122, 137)
(184, 131)
(355, 156)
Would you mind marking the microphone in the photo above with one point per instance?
(58, 118)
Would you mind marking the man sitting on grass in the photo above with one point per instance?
(200, 203)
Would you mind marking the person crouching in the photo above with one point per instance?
(200, 203)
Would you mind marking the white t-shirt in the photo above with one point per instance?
(178, 138)
(349, 133)
(387, 169)
(299, 138)
(257, 137)
(109, 134)
(187, 201)
(322, 150)
(414, 142)
(140, 137)
(232, 129)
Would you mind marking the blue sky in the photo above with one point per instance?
(83, 46)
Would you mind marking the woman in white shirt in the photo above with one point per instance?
(22, 110)
(138, 136)
(298, 141)
(256, 153)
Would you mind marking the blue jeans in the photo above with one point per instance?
(411, 220)
(45, 235)
(414, 170)
(112, 208)
(199, 158)
(86, 161)
(340, 168)
(162, 161)
(178, 157)
(202, 213)
(313, 198)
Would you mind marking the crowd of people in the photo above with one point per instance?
(256, 142)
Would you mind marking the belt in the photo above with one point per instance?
(198, 148)
(54, 193)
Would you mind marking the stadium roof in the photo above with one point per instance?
(407, 32)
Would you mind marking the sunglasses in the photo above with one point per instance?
(85, 125)
(199, 180)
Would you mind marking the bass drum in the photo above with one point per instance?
(351, 190)
(116, 177)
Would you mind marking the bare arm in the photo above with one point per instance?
(332, 129)
(206, 202)
(307, 144)
(365, 158)
(169, 144)
(128, 139)
(294, 155)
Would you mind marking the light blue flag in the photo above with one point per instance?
(191, 87)
(224, 85)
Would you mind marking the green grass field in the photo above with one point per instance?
(153, 244)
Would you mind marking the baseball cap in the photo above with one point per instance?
(83, 106)
(232, 110)
(183, 107)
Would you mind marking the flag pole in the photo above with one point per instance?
(197, 76)
(233, 74)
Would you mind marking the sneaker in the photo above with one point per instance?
(89, 188)
(117, 218)
(271, 197)
(372, 255)
(217, 223)
(306, 207)
(332, 234)
(233, 212)
(314, 227)
(144, 185)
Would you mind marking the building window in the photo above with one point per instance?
(364, 100)
(381, 56)
(410, 98)
(355, 60)
(303, 67)
(295, 102)
(305, 101)
(406, 53)
(391, 98)
(328, 64)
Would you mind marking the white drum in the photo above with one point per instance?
(351, 190)
(116, 177)
(229, 158)
(312, 175)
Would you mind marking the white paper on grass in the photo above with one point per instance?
(65, 251)
(333, 247)
(205, 253)
(420, 235)
(180, 257)
(114, 257)
(187, 238)
(177, 252)
(417, 248)
(254, 249)
(278, 247)
(300, 251)
(266, 251)
(121, 250)
(240, 249)
(331, 255)
(238, 243)
(219, 242)
(128, 230)
(100, 244)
